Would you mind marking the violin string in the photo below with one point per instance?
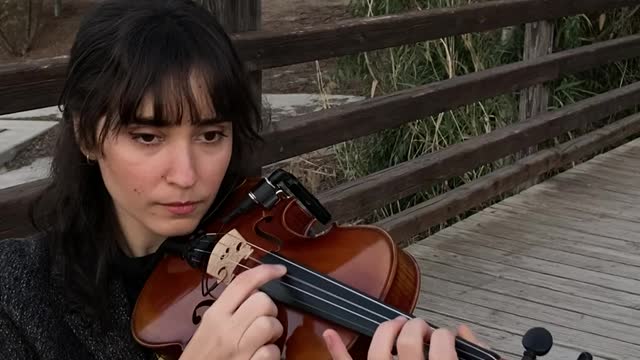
(458, 339)
(320, 289)
(324, 300)
(377, 323)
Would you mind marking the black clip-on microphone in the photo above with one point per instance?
(265, 194)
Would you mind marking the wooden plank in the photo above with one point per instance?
(508, 345)
(15, 202)
(435, 263)
(573, 190)
(511, 259)
(535, 226)
(486, 226)
(541, 314)
(617, 162)
(594, 167)
(623, 184)
(273, 49)
(423, 216)
(359, 197)
(298, 135)
(45, 78)
(32, 84)
(600, 187)
(580, 221)
(533, 256)
(587, 215)
(633, 152)
(597, 345)
(566, 285)
(622, 205)
(614, 172)
(623, 289)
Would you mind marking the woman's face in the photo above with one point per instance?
(163, 178)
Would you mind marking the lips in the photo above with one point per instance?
(181, 208)
(180, 203)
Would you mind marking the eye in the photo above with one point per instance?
(212, 136)
(145, 139)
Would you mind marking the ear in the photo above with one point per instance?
(81, 144)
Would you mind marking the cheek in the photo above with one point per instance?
(127, 176)
(213, 166)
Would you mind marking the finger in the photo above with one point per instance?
(384, 338)
(410, 343)
(336, 347)
(267, 352)
(258, 304)
(263, 330)
(442, 345)
(465, 332)
(245, 284)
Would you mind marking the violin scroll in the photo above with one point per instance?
(538, 341)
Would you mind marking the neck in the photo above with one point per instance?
(138, 245)
(326, 298)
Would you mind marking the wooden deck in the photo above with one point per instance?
(565, 254)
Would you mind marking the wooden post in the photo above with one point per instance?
(240, 16)
(538, 41)
(57, 8)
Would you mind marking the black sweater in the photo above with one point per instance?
(35, 322)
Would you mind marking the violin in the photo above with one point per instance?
(347, 277)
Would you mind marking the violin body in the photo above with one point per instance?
(170, 306)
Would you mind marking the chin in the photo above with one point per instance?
(176, 227)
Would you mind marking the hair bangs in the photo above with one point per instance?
(177, 75)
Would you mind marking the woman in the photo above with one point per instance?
(157, 118)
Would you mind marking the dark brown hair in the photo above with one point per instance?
(124, 50)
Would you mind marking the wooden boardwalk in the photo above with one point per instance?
(565, 254)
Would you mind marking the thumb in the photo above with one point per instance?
(336, 347)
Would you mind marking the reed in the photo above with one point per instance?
(390, 70)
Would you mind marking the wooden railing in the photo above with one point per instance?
(37, 84)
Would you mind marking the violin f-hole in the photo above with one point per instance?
(197, 318)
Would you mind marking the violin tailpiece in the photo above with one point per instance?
(228, 252)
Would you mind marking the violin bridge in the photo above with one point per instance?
(227, 254)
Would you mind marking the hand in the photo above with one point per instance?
(242, 323)
(408, 336)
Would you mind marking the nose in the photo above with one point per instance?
(181, 166)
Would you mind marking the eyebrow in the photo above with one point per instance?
(158, 122)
